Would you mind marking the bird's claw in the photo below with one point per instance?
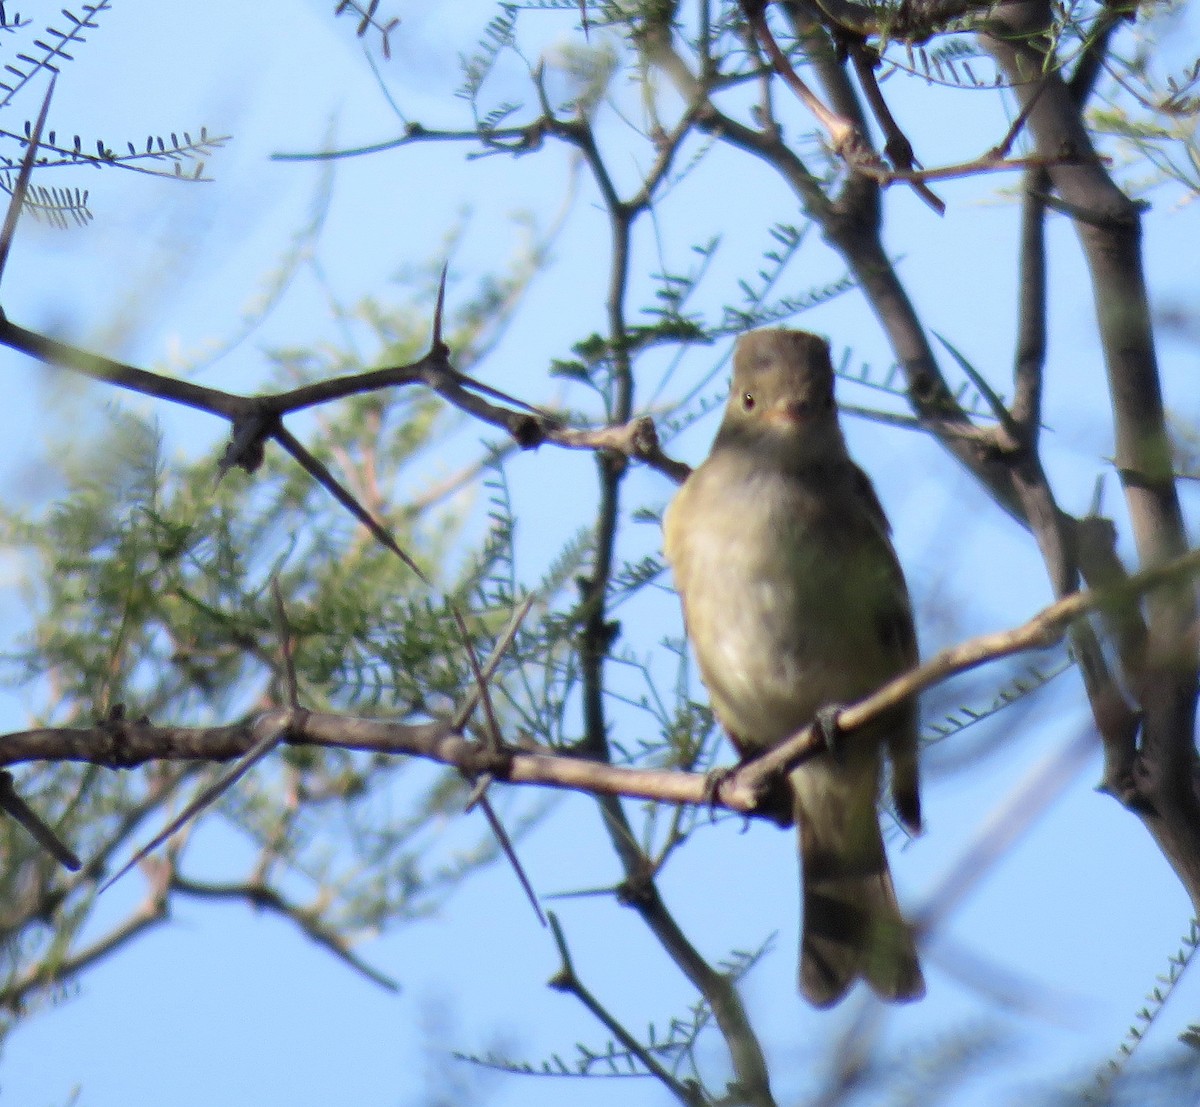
(826, 725)
(713, 780)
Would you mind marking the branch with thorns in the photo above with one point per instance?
(256, 420)
(123, 743)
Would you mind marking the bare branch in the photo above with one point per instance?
(1043, 630)
(152, 913)
(1109, 227)
(1028, 799)
(1031, 322)
(54, 352)
(844, 136)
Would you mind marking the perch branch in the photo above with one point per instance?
(136, 742)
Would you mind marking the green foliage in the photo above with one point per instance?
(44, 51)
(148, 588)
(1112, 1075)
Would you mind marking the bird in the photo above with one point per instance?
(794, 603)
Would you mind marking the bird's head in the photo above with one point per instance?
(782, 393)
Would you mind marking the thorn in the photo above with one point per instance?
(439, 345)
(22, 185)
(19, 810)
(285, 644)
(511, 853)
(206, 796)
(1002, 414)
(929, 196)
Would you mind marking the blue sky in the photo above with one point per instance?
(224, 1006)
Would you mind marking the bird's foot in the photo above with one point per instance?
(825, 722)
(713, 779)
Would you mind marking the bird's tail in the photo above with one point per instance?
(852, 924)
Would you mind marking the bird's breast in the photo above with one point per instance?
(779, 601)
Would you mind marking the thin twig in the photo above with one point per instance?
(1010, 819)
(264, 897)
(567, 980)
(1000, 151)
(844, 136)
(284, 633)
(463, 715)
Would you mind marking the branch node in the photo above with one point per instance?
(527, 431)
(115, 725)
(636, 891)
(246, 448)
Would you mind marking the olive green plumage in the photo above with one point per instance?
(794, 600)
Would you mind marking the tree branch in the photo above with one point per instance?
(136, 742)
(1163, 788)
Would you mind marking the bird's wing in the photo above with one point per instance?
(675, 547)
(895, 625)
(896, 620)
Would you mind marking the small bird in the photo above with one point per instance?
(794, 602)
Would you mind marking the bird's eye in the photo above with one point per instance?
(747, 401)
